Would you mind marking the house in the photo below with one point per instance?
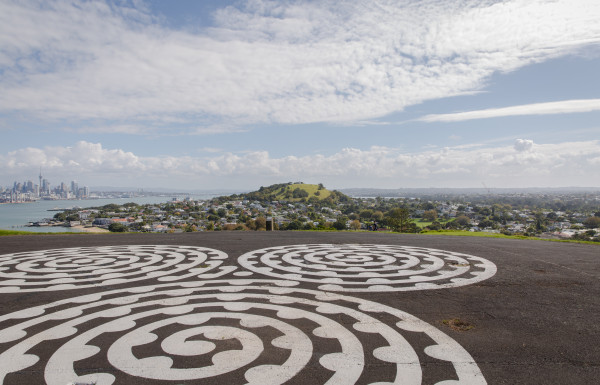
(160, 228)
(102, 222)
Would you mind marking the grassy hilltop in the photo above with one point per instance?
(293, 192)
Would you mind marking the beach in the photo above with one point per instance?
(90, 229)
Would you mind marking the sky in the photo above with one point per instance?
(201, 95)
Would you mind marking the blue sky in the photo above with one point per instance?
(239, 94)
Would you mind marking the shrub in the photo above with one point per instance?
(117, 227)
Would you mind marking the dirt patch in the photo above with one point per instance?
(458, 324)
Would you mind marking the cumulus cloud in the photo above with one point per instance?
(523, 164)
(269, 61)
(550, 108)
(523, 145)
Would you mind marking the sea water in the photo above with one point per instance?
(16, 216)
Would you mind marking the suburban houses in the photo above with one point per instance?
(509, 216)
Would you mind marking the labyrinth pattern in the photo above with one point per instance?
(226, 331)
(156, 314)
(356, 268)
(82, 267)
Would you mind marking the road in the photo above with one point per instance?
(298, 308)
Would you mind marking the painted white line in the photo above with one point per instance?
(81, 267)
(361, 268)
(264, 330)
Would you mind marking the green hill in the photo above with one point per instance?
(293, 192)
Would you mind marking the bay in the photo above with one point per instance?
(16, 216)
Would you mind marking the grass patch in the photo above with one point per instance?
(311, 189)
(475, 234)
(422, 223)
(494, 235)
(15, 232)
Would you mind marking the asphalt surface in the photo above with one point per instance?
(220, 316)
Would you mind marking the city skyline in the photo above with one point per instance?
(239, 94)
(27, 190)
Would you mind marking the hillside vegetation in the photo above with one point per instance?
(293, 192)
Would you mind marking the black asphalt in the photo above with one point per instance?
(537, 321)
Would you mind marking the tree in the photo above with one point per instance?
(251, 224)
(540, 222)
(485, 223)
(485, 211)
(398, 219)
(592, 222)
(261, 223)
(340, 223)
(308, 226)
(428, 206)
(452, 225)
(112, 207)
(366, 214)
(435, 225)
(462, 220)
(117, 227)
(137, 226)
(294, 225)
(299, 193)
(430, 215)
(355, 224)
(190, 228)
(412, 228)
(377, 216)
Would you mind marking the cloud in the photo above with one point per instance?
(550, 108)
(524, 164)
(523, 145)
(269, 61)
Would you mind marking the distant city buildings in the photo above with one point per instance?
(29, 191)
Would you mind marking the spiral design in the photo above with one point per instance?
(241, 331)
(355, 268)
(62, 269)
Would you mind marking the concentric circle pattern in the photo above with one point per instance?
(228, 332)
(355, 268)
(81, 267)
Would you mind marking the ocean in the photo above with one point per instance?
(15, 216)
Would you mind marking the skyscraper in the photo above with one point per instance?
(40, 186)
(46, 187)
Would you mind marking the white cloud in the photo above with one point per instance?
(523, 145)
(550, 108)
(268, 61)
(524, 164)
